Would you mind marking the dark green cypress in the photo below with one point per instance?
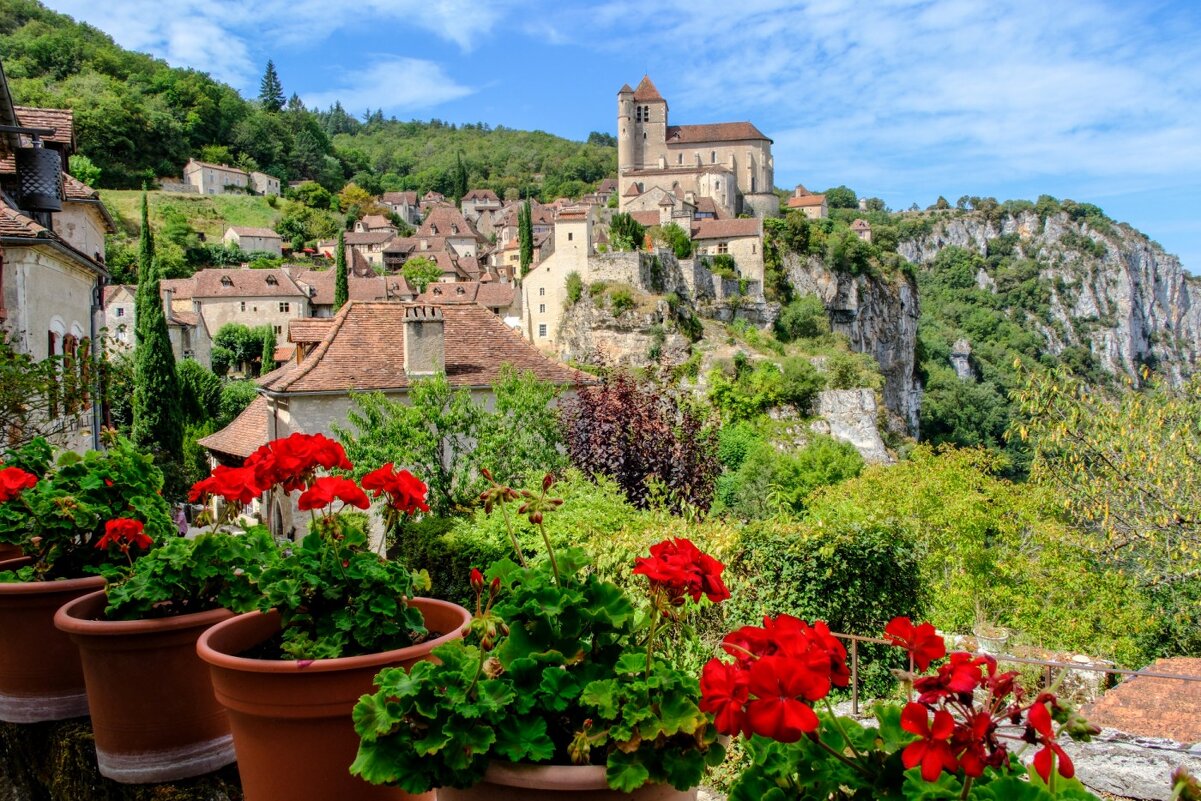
(157, 420)
(525, 237)
(341, 275)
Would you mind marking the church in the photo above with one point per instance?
(719, 170)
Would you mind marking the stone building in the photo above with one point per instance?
(190, 337)
(729, 162)
(222, 179)
(812, 206)
(254, 240)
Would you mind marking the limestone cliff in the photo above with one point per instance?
(591, 333)
(879, 317)
(1111, 290)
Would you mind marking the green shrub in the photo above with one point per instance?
(770, 482)
(734, 442)
(800, 383)
(598, 288)
(723, 265)
(803, 318)
(575, 287)
(235, 396)
(199, 391)
(621, 301)
(852, 371)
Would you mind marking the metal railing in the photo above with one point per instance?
(1049, 666)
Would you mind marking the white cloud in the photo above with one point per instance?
(393, 83)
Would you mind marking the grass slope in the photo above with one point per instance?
(208, 214)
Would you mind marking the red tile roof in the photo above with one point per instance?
(399, 198)
(216, 282)
(1151, 707)
(726, 229)
(488, 294)
(646, 91)
(62, 120)
(182, 287)
(261, 233)
(804, 201)
(713, 132)
(364, 350)
(367, 237)
(370, 287)
(446, 221)
(309, 329)
(646, 218)
(861, 225)
(481, 194)
(244, 435)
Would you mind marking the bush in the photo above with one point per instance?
(575, 287)
(621, 301)
(235, 397)
(724, 266)
(770, 482)
(734, 442)
(852, 371)
(800, 383)
(199, 391)
(803, 318)
(676, 238)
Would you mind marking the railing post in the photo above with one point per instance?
(855, 677)
(1048, 687)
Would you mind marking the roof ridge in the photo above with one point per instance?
(314, 358)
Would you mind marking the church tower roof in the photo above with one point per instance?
(646, 91)
(625, 90)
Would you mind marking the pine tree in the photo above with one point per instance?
(271, 91)
(341, 275)
(525, 237)
(157, 424)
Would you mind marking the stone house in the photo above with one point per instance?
(374, 222)
(544, 293)
(404, 205)
(741, 239)
(254, 240)
(477, 202)
(361, 285)
(862, 229)
(190, 337)
(730, 162)
(381, 347)
(497, 297)
(242, 295)
(222, 179)
(812, 206)
(368, 244)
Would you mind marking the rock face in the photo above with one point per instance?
(1128, 766)
(590, 333)
(1112, 290)
(851, 415)
(879, 317)
(961, 360)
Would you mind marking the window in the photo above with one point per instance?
(272, 280)
(542, 308)
(713, 156)
(679, 158)
(285, 306)
(723, 247)
(243, 306)
(542, 329)
(570, 236)
(279, 329)
(120, 311)
(542, 291)
(226, 281)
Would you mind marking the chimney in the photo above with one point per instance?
(168, 297)
(424, 341)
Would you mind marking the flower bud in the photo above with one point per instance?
(486, 473)
(477, 580)
(494, 588)
(547, 481)
(536, 518)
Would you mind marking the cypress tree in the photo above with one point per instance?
(341, 275)
(157, 422)
(525, 237)
(267, 358)
(271, 91)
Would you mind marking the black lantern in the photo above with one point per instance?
(39, 178)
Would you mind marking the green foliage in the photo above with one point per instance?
(235, 397)
(199, 391)
(626, 233)
(803, 318)
(847, 253)
(852, 371)
(29, 395)
(215, 570)
(573, 661)
(156, 418)
(445, 436)
(59, 521)
(313, 195)
(575, 288)
(769, 481)
(750, 390)
(525, 236)
(338, 598)
(723, 265)
(621, 300)
(342, 274)
(420, 272)
(841, 197)
(271, 91)
(84, 169)
(735, 442)
(674, 237)
(236, 345)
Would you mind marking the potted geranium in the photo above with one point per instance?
(146, 622)
(560, 687)
(70, 518)
(962, 735)
(332, 614)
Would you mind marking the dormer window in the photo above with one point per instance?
(272, 280)
(433, 229)
(226, 281)
(454, 229)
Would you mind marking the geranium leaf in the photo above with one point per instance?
(677, 713)
(631, 663)
(559, 688)
(602, 696)
(945, 788)
(625, 772)
(370, 718)
(521, 739)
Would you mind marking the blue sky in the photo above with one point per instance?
(901, 99)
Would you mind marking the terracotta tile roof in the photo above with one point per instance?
(261, 233)
(14, 223)
(364, 350)
(713, 132)
(625, 89)
(1150, 707)
(646, 91)
(481, 194)
(182, 287)
(861, 225)
(607, 185)
(446, 221)
(490, 294)
(213, 166)
(667, 200)
(74, 189)
(646, 218)
(705, 205)
(244, 435)
(111, 291)
(283, 353)
(367, 237)
(805, 201)
(399, 198)
(373, 221)
(309, 329)
(370, 287)
(62, 120)
(189, 319)
(725, 229)
(245, 283)
(633, 191)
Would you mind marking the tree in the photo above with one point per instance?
(84, 169)
(341, 274)
(420, 272)
(267, 354)
(199, 391)
(675, 238)
(460, 189)
(841, 197)
(640, 433)
(626, 233)
(157, 423)
(525, 237)
(271, 91)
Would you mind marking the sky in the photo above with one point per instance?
(905, 100)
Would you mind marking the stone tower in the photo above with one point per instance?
(625, 128)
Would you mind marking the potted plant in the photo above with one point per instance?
(65, 520)
(990, 638)
(559, 688)
(146, 622)
(332, 614)
(963, 733)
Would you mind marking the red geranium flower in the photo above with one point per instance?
(959, 675)
(724, 692)
(776, 711)
(124, 532)
(680, 568)
(933, 751)
(13, 480)
(1039, 719)
(237, 485)
(326, 489)
(921, 641)
(406, 493)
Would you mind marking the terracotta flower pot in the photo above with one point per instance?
(509, 782)
(40, 675)
(291, 720)
(10, 552)
(154, 715)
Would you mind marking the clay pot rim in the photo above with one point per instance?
(531, 776)
(67, 619)
(44, 587)
(244, 664)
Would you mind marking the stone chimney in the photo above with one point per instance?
(168, 298)
(424, 341)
